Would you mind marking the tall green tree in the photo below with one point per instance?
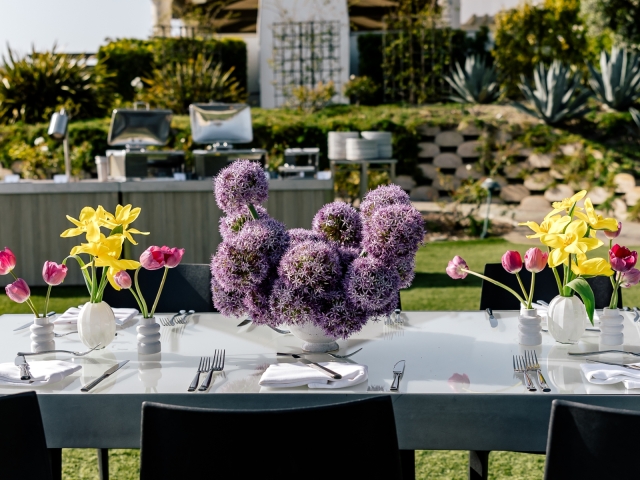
(617, 19)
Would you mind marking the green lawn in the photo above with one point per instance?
(431, 290)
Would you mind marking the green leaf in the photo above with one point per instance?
(116, 231)
(85, 274)
(582, 288)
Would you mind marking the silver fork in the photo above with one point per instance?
(518, 367)
(75, 354)
(183, 320)
(533, 365)
(205, 362)
(216, 366)
(164, 321)
(334, 355)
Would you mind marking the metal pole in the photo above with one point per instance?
(486, 218)
(67, 159)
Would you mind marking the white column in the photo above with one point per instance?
(161, 15)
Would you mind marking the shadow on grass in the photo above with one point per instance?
(426, 280)
(61, 292)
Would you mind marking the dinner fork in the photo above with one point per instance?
(334, 355)
(205, 362)
(183, 320)
(518, 367)
(216, 366)
(164, 321)
(75, 354)
(533, 365)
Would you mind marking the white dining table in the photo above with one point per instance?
(434, 408)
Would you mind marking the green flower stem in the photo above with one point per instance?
(46, 300)
(102, 285)
(495, 283)
(533, 283)
(93, 281)
(616, 285)
(524, 291)
(555, 274)
(137, 299)
(155, 304)
(253, 211)
(143, 304)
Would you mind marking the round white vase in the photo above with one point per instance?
(96, 325)
(315, 340)
(148, 336)
(566, 319)
(42, 337)
(529, 328)
(611, 326)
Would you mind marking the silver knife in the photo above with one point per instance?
(492, 319)
(318, 367)
(631, 367)
(31, 322)
(112, 370)
(398, 371)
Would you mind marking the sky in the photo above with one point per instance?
(83, 25)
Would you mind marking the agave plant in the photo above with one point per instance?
(556, 95)
(476, 83)
(617, 84)
(635, 114)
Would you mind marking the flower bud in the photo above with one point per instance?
(535, 260)
(455, 268)
(53, 274)
(122, 279)
(7, 261)
(512, 261)
(630, 278)
(18, 291)
(611, 235)
(622, 259)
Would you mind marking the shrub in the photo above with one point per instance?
(361, 90)
(311, 99)
(126, 59)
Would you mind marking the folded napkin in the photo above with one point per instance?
(70, 317)
(42, 372)
(602, 374)
(282, 375)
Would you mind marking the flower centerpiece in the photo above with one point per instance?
(326, 282)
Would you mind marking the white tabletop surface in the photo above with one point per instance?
(435, 345)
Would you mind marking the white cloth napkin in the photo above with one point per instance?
(283, 375)
(602, 374)
(42, 372)
(70, 317)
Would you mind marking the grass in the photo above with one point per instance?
(431, 290)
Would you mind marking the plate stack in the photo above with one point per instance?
(361, 149)
(384, 142)
(338, 144)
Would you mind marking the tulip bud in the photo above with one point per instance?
(122, 279)
(630, 278)
(172, 256)
(18, 291)
(512, 261)
(611, 235)
(53, 274)
(535, 260)
(455, 268)
(622, 259)
(7, 261)
(152, 258)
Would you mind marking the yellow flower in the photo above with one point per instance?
(101, 247)
(554, 224)
(566, 204)
(124, 217)
(88, 221)
(572, 241)
(597, 222)
(592, 266)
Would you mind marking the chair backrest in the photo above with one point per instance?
(289, 443)
(546, 288)
(23, 447)
(589, 442)
(187, 287)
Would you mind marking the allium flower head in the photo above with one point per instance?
(257, 304)
(313, 267)
(339, 222)
(231, 225)
(229, 302)
(348, 255)
(371, 285)
(291, 305)
(383, 196)
(338, 318)
(241, 183)
(238, 268)
(393, 231)
(406, 269)
(299, 235)
(266, 236)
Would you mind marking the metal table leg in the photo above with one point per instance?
(103, 463)
(408, 463)
(364, 179)
(478, 465)
(55, 459)
(392, 174)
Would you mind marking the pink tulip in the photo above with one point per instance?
(455, 268)
(53, 274)
(18, 291)
(622, 259)
(7, 261)
(122, 279)
(154, 258)
(611, 235)
(535, 260)
(512, 261)
(630, 278)
(459, 382)
(172, 256)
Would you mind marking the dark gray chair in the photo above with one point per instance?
(187, 287)
(203, 443)
(589, 442)
(23, 447)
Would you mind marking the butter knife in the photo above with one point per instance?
(109, 372)
(492, 319)
(317, 366)
(630, 367)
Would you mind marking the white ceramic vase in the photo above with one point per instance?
(315, 340)
(611, 326)
(529, 328)
(42, 337)
(96, 325)
(566, 319)
(148, 336)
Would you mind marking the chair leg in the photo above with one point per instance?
(478, 465)
(103, 463)
(408, 463)
(55, 459)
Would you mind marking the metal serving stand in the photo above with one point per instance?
(220, 125)
(300, 162)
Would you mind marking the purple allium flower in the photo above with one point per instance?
(338, 318)
(299, 235)
(406, 267)
(241, 183)
(370, 284)
(256, 301)
(383, 196)
(291, 305)
(386, 309)
(393, 231)
(313, 267)
(228, 303)
(268, 236)
(237, 268)
(231, 225)
(339, 222)
(348, 255)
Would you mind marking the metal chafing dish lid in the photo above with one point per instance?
(221, 122)
(139, 128)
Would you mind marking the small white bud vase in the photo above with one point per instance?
(96, 325)
(314, 338)
(148, 336)
(611, 326)
(42, 337)
(566, 319)
(529, 328)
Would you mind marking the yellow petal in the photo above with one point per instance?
(110, 274)
(133, 230)
(592, 243)
(577, 228)
(74, 221)
(578, 196)
(532, 225)
(93, 232)
(557, 257)
(87, 214)
(72, 232)
(610, 224)
(553, 240)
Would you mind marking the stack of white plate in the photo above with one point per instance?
(337, 143)
(385, 150)
(361, 149)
